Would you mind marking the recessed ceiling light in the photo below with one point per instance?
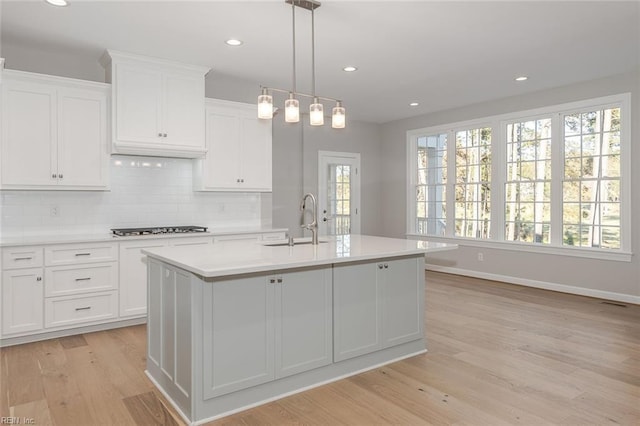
(522, 78)
(233, 42)
(57, 2)
(414, 104)
(350, 68)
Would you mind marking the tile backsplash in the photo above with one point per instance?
(145, 191)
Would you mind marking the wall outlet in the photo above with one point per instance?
(480, 256)
(54, 211)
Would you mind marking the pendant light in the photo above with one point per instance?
(292, 105)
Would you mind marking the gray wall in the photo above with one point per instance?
(592, 275)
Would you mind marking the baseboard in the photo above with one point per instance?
(562, 288)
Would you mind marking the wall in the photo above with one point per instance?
(145, 191)
(611, 279)
(295, 151)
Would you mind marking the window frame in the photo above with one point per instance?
(499, 123)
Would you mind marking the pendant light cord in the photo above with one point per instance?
(293, 18)
(313, 55)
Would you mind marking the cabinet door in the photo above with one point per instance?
(255, 155)
(357, 318)
(29, 133)
(82, 138)
(137, 104)
(133, 277)
(22, 301)
(238, 341)
(221, 169)
(303, 321)
(402, 301)
(183, 110)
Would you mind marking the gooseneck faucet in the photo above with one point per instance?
(313, 226)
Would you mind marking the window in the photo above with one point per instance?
(473, 177)
(591, 189)
(548, 179)
(528, 181)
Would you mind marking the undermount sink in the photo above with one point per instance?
(286, 243)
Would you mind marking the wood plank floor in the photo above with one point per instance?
(499, 354)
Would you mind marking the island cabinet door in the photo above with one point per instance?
(303, 321)
(402, 285)
(238, 329)
(357, 310)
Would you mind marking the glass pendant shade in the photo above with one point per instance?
(291, 110)
(316, 114)
(265, 105)
(338, 117)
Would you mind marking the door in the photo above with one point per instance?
(339, 193)
(183, 110)
(22, 296)
(82, 138)
(255, 160)
(29, 134)
(223, 151)
(133, 276)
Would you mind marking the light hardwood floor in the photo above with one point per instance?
(499, 354)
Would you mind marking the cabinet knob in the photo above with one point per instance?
(279, 280)
(60, 176)
(386, 266)
(272, 281)
(242, 180)
(380, 266)
(164, 135)
(39, 279)
(160, 134)
(54, 176)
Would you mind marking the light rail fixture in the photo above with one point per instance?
(292, 105)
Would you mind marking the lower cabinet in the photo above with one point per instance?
(377, 305)
(260, 328)
(22, 296)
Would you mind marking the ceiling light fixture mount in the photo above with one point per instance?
(292, 105)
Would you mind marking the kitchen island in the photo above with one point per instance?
(238, 324)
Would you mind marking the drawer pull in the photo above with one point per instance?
(86, 308)
(23, 258)
(83, 254)
(83, 279)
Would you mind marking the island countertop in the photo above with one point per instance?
(241, 257)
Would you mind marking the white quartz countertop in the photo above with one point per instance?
(105, 236)
(242, 257)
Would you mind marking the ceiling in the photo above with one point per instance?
(441, 54)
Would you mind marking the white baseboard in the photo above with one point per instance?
(600, 294)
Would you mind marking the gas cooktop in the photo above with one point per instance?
(128, 232)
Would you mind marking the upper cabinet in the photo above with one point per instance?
(54, 133)
(238, 149)
(158, 106)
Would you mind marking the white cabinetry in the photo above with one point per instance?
(22, 290)
(54, 133)
(238, 149)
(133, 271)
(282, 327)
(377, 305)
(158, 106)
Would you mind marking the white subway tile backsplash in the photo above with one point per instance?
(145, 191)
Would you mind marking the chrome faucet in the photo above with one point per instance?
(313, 226)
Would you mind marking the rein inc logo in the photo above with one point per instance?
(17, 421)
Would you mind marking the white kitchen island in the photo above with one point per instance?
(237, 324)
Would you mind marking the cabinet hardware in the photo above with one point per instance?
(238, 180)
(39, 279)
(23, 258)
(83, 279)
(164, 135)
(380, 266)
(54, 176)
(83, 254)
(60, 176)
(386, 266)
(242, 180)
(272, 281)
(83, 309)
(160, 134)
(279, 280)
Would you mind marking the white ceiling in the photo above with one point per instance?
(441, 54)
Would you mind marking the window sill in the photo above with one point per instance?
(618, 256)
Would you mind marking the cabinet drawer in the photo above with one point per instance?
(274, 236)
(70, 254)
(70, 310)
(191, 241)
(236, 237)
(21, 257)
(63, 280)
